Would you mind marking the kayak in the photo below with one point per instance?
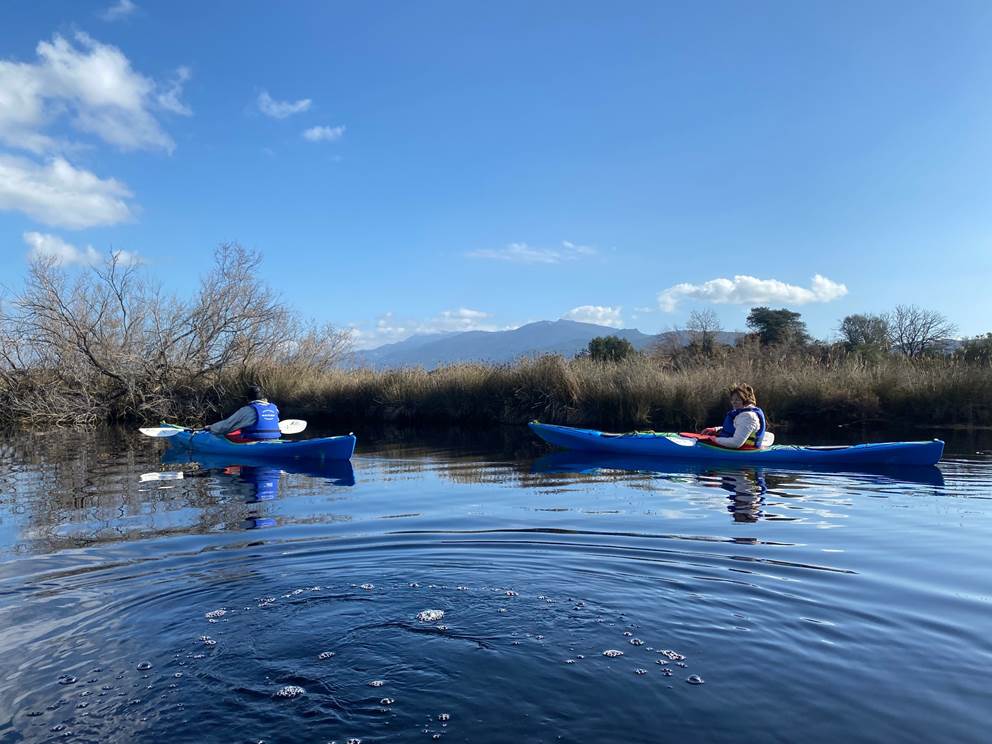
(312, 450)
(676, 446)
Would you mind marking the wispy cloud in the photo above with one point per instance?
(388, 328)
(281, 109)
(92, 84)
(600, 314)
(323, 134)
(56, 193)
(524, 253)
(749, 290)
(43, 245)
(169, 94)
(119, 10)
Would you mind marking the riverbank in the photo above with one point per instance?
(643, 393)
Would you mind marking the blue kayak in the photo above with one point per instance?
(656, 444)
(318, 450)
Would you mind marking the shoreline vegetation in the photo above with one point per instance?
(105, 344)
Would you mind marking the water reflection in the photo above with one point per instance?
(747, 485)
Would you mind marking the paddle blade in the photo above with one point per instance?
(292, 426)
(160, 431)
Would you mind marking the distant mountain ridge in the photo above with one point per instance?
(567, 337)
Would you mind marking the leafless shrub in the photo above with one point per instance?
(107, 343)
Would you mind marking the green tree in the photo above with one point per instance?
(609, 349)
(978, 349)
(866, 332)
(777, 326)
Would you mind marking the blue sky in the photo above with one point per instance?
(443, 165)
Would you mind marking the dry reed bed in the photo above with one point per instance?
(643, 393)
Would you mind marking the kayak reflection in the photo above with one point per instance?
(258, 484)
(747, 486)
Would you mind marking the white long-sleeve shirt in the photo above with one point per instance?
(746, 423)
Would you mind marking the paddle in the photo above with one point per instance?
(287, 426)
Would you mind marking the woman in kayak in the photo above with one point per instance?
(255, 421)
(744, 425)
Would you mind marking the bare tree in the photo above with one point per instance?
(108, 343)
(917, 331)
(703, 326)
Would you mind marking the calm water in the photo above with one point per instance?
(243, 604)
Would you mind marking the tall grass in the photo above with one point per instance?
(643, 393)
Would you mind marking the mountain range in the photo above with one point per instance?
(566, 337)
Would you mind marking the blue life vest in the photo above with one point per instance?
(266, 424)
(727, 430)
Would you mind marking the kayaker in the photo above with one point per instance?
(255, 421)
(744, 425)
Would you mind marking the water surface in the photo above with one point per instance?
(240, 603)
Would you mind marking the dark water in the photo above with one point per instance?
(813, 606)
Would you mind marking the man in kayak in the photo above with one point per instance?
(744, 425)
(255, 421)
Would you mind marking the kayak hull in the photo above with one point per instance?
(323, 449)
(654, 444)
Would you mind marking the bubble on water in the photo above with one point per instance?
(694, 679)
(640, 671)
(67, 679)
(681, 664)
(667, 672)
(515, 643)
(207, 640)
(612, 653)
(368, 587)
(216, 613)
(444, 716)
(663, 662)
(325, 655)
(442, 628)
(569, 661)
(501, 610)
(297, 592)
(107, 688)
(673, 655)
(462, 588)
(82, 704)
(354, 741)
(511, 593)
(198, 656)
(58, 727)
(627, 633)
(211, 620)
(414, 585)
(580, 656)
(290, 691)
(386, 701)
(430, 616)
(636, 642)
(539, 637)
(377, 683)
(177, 675)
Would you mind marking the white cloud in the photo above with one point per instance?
(323, 134)
(95, 86)
(599, 314)
(749, 290)
(281, 109)
(59, 194)
(120, 10)
(168, 97)
(389, 329)
(43, 245)
(523, 253)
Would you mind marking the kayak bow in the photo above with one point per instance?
(669, 445)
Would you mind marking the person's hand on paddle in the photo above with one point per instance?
(710, 430)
